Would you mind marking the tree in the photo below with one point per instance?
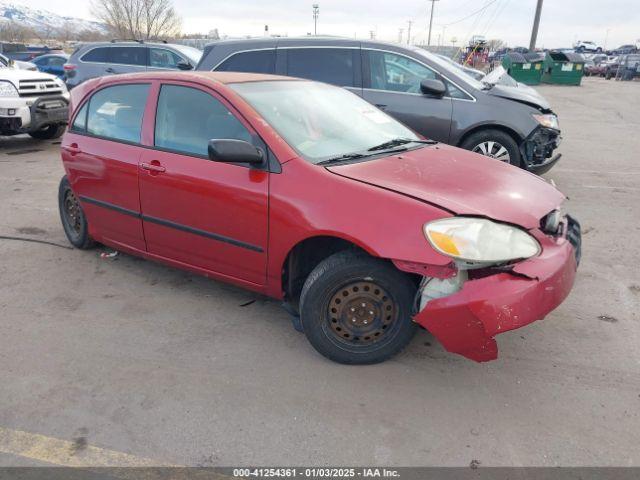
(138, 19)
(14, 32)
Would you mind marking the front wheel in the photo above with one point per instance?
(495, 144)
(356, 309)
(48, 133)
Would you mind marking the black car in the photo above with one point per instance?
(624, 50)
(511, 123)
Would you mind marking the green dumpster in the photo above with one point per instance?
(563, 68)
(525, 68)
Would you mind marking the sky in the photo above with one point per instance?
(609, 23)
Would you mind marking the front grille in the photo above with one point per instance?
(38, 87)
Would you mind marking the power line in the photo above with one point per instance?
(491, 2)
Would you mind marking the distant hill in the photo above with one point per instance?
(44, 20)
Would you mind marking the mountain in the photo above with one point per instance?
(44, 20)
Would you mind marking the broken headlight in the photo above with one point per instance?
(548, 120)
(480, 241)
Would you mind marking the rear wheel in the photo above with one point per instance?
(356, 309)
(495, 144)
(49, 132)
(72, 216)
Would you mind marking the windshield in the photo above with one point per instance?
(449, 69)
(193, 54)
(321, 121)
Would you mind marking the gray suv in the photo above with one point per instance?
(93, 60)
(510, 122)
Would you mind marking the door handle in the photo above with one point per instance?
(381, 106)
(110, 70)
(73, 149)
(153, 167)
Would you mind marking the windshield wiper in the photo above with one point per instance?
(342, 158)
(398, 141)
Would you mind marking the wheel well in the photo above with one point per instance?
(303, 258)
(507, 130)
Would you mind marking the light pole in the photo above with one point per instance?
(433, 2)
(316, 12)
(536, 24)
(409, 32)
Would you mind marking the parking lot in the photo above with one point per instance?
(123, 361)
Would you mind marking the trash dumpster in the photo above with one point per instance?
(525, 68)
(563, 68)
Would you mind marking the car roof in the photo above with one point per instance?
(216, 77)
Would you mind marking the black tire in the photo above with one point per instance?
(347, 280)
(72, 216)
(599, 50)
(473, 141)
(49, 132)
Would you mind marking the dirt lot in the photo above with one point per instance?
(102, 358)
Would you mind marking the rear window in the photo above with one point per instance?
(100, 54)
(129, 55)
(116, 112)
(329, 65)
(259, 61)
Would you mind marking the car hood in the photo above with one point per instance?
(14, 75)
(520, 93)
(461, 182)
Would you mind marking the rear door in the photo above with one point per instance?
(127, 59)
(196, 211)
(339, 66)
(101, 151)
(392, 83)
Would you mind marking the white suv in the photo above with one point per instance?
(587, 46)
(32, 102)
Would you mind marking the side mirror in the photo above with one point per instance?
(182, 65)
(433, 87)
(234, 151)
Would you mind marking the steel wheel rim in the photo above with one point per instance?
(494, 150)
(73, 212)
(361, 313)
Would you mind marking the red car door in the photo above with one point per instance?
(101, 151)
(195, 211)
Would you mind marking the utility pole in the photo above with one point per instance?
(316, 12)
(433, 2)
(536, 23)
(400, 30)
(409, 32)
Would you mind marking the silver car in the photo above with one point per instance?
(92, 60)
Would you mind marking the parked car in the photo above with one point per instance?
(52, 63)
(7, 62)
(629, 66)
(473, 72)
(91, 60)
(25, 53)
(418, 88)
(305, 192)
(32, 102)
(612, 67)
(624, 50)
(587, 46)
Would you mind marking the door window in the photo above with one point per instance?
(329, 65)
(163, 58)
(129, 56)
(56, 61)
(187, 118)
(116, 112)
(396, 73)
(99, 55)
(80, 122)
(259, 61)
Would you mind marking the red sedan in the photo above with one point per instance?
(305, 192)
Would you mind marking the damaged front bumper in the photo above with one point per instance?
(467, 321)
(538, 147)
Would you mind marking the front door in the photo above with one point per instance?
(392, 83)
(194, 210)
